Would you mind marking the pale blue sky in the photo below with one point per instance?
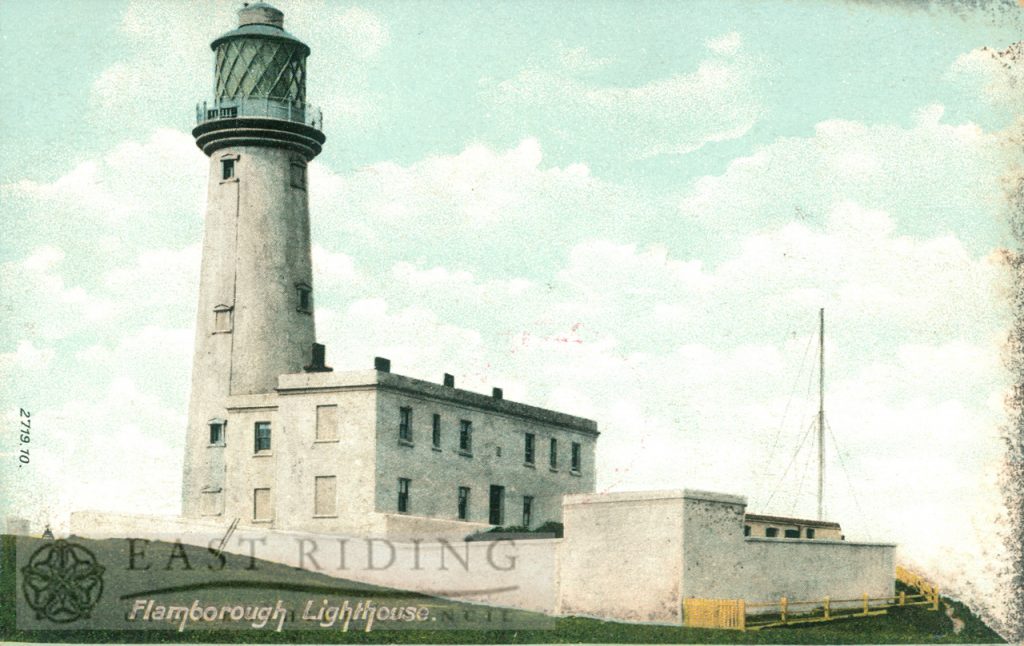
(631, 211)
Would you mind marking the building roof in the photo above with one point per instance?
(296, 383)
(786, 520)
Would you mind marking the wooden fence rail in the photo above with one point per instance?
(731, 614)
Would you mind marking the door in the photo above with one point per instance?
(497, 504)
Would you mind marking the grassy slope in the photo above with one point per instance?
(908, 625)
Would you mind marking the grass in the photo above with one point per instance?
(902, 625)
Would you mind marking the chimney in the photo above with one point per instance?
(381, 364)
(449, 380)
(318, 362)
(497, 393)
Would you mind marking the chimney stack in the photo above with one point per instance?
(319, 359)
(497, 393)
(381, 364)
(449, 380)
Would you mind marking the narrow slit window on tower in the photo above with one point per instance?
(405, 424)
(227, 169)
(222, 319)
(528, 449)
(577, 457)
(298, 173)
(553, 454)
(436, 431)
(304, 294)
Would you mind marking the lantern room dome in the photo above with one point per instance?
(260, 20)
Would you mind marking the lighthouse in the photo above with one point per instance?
(255, 315)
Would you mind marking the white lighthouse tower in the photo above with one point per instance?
(255, 316)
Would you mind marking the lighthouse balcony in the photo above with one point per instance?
(284, 110)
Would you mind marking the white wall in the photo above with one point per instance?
(622, 556)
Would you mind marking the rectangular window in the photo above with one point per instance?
(405, 424)
(262, 436)
(261, 504)
(792, 533)
(298, 174)
(466, 436)
(463, 503)
(436, 431)
(227, 168)
(222, 318)
(403, 494)
(810, 533)
(553, 454)
(772, 532)
(326, 423)
(527, 510)
(304, 294)
(746, 530)
(528, 449)
(497, 507)
(211, 503)
(325, 496)
(577, 457)
(217, 432)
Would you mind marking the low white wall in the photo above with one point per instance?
(719, 563)
(513, 574)
(622, 556)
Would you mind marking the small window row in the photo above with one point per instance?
(405, 436)
(773, 532)
(463, 495)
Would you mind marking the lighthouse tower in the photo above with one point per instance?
(255, 315)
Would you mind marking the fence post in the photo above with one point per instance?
(935, 598)
(903, 598)
(827, 608)
(865, 603)
(783, 603)
(743, 614)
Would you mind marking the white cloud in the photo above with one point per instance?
(674, 115)
(1000, 71)
(931, 177)
(726, 44)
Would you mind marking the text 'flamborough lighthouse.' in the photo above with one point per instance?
(274, 436)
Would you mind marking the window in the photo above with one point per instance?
(262, 436)
(810, 533)
(217, 431)
(298, 173)
(528, 449)
(771, 532)
(327, 423)
(577, 457)
(210, 504)
(227, 169)
(403, 494)
(463, 503)
(553, 454)
(466, 436)
(304, 294)
(527, 510)
(222, 318)
(436, 431)
(746, 530)
(792, 533)
(325, 496)
(405, 424)
(497, 509)
(261, 504)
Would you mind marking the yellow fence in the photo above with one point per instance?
(731, 614)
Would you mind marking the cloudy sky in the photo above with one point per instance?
(628, 211)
